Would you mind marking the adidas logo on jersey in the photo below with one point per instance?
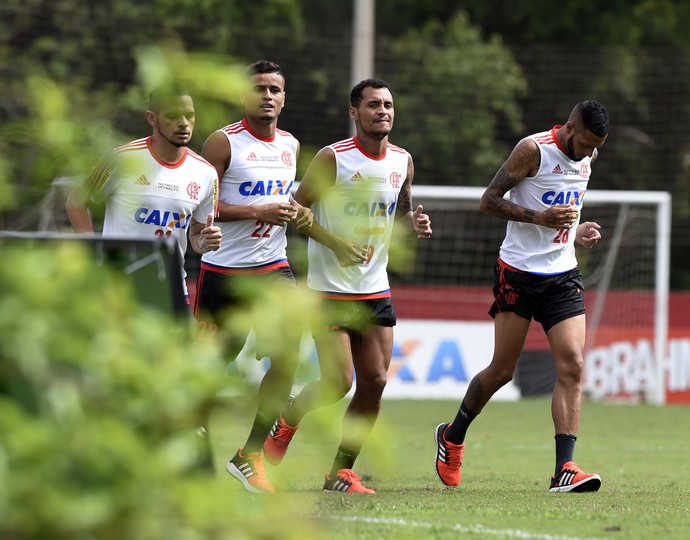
(142, 181)
(583, 171)
(357, 177)
(270, 158)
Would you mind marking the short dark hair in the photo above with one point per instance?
(356, 95)
(261, 67)
(594, 116)
(162, 94)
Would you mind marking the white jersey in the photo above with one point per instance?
(361, 207)
(559, 180)
(261, 171)
(146, 197)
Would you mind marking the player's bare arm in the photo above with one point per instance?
(419, 220)
(204, 237)
(348, 252)
(421, 224)
(319, 177)
(78, 211)
(216, 151)
(304, 217)
(273, 214)
(78, 202)
(405, 195)
(523, 162)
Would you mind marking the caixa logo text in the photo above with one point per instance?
(374, 209)
(268, 187)
(563, 197)
(162, 218)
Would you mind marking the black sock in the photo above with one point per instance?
(458, 429)
(260, 430)
(344, 459)
(289, 414)
(565, 448)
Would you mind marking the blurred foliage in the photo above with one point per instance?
(67, 128)
(100, 399)
(215, 81)
(46, 47)
(468, 103)
(581, 22)
(586, 22)
(445, 61)
(49, 42)
(454, 149)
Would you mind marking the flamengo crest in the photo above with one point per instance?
(193, 191)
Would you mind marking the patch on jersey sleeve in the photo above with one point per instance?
(101, 174)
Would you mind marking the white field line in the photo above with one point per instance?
(478, 529)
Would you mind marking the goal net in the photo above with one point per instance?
(626, 279)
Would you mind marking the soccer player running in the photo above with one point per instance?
(155, 186)
(536, 276)
(356, 188)
(256, 163)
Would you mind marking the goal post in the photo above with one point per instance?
(626, 277)
(656, 227)
(628, 354)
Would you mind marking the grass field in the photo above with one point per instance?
(640, 451)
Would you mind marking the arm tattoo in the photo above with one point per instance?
(503, 180)
(520, 163)
(549, 217)
(500, 207)
(404, 199)
(405, 196)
